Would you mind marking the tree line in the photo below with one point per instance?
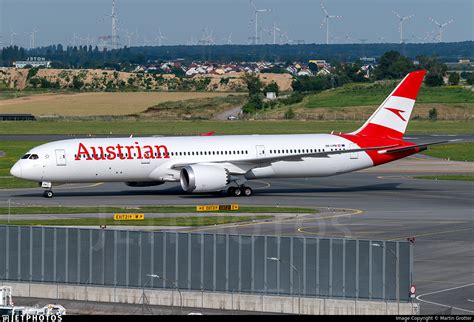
(121, 59)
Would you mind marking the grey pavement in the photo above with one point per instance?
(384, 205)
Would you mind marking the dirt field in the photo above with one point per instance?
(93, 104)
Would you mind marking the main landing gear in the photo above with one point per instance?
(240, 191)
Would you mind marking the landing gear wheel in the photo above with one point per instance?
(247, 191)
(48, 194)
(237, 192)
(230, 191)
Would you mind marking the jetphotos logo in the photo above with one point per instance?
(122, 152)
(31, 318)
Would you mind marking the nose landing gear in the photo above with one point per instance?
(48, 193)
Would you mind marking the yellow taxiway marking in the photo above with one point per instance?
(303, 217)
(81, 187)
(358, 234)
(431, 234)
(438, 281)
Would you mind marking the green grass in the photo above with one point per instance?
(145, 210)
(197, 127)
(171, 221)
(457, 177)
(456, 151)
(14, 183)
(14, 150)
(8, 93)
(374, 94)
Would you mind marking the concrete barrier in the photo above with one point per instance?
(210, 300)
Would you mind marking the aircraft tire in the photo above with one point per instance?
(247, 191)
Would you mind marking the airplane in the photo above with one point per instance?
(209, 163)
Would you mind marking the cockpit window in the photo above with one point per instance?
(34, 157)
(26, 156)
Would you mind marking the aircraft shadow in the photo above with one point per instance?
(177, 192)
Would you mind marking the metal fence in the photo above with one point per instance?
(328, 267)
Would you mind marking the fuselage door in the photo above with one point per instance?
(354, 155)
(260, 151)
(61, 157)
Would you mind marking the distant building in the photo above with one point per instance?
(33, 62)
(367, 60)
(321, 63)
(271, 96)
(323, 72)
(17, 117)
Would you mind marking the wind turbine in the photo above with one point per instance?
(32, 37)
(440, 27)
(401, 20)
(274, 32)
(12, 34)
(115, 28)
(160, 37)
(74, 39)
(207, 38)
(228, 39)
(326, 19)
(284, 35)
(129, 37)
(191, 41)
(256, 12)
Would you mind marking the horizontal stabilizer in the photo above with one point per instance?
(422, 146)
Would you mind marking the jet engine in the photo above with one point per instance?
(204, 178)
(144, 183)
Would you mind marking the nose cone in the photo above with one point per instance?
(16, 170)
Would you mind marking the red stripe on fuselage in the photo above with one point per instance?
(377, 158)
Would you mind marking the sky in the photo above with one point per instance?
(187, 21)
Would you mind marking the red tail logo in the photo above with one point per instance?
(397, 112)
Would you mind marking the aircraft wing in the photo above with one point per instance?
(243, 165)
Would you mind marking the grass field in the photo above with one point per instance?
(374, 94)
(229, 127)
(460, 177)
(148, 209)
(92, 104)
(13, 151)
(456, 152)
(170, 221)
(7, 94)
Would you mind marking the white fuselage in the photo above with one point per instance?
(145, 159)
